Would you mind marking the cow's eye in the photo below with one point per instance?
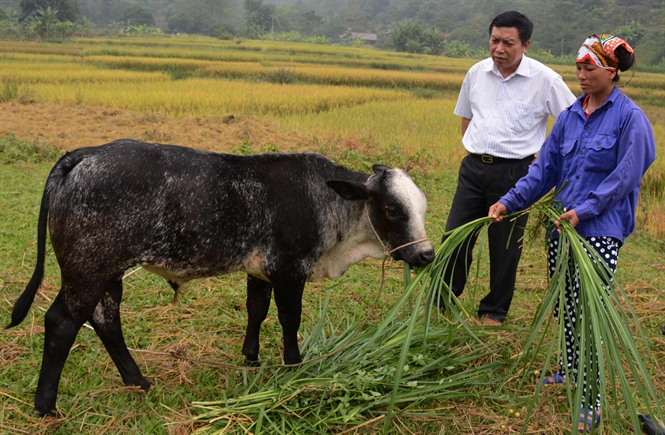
(392, 211)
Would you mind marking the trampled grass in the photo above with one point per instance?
(182, 348)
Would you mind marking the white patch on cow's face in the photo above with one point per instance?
(413, 199)
(360, 240)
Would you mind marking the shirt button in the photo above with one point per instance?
(586, 127)
(577, 177)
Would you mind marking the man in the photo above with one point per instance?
(505, 102)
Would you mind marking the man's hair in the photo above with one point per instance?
(514, 19)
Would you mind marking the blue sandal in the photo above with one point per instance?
(591, 422)
(554, 379)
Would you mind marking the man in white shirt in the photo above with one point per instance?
(505, 102)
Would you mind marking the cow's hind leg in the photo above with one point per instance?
(106, 321)
(258, 302)
(62, 323)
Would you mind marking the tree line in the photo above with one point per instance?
(448, 27)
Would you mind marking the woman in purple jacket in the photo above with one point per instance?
(598, 150)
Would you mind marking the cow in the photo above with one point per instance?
(184, 213)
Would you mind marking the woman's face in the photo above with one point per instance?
(594, 80)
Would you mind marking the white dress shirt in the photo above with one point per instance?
(509, 116)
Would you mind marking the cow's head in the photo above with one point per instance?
(396, 210)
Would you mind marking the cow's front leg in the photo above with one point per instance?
(288, 297)
(258, 302)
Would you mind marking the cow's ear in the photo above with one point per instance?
(379, 169)
(349, 190)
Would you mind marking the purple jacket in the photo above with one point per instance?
(602, 159)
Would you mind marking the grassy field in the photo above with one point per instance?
(358, 106)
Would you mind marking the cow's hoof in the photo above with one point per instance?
(292, 361)
(252, 362)
(143, 383)
(662, 329)
(48, 414)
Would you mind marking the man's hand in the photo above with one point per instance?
(570, 216)
(497, 211)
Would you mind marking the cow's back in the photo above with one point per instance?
(192, 212)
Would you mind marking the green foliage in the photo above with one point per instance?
(259, 16)
(269, 148)
(65, 10)
(282, 76)
(9, 89)
(632, 33)
(199, 16)
(244, 149)
(414, 358)
(137, 15)
(652, 49)
(225, 32)
(140, 30)
(604, 331)
(13, 150)
(46, 19)
(414, 37)
(295, 36)
(417, 163)
(180, 74)
(356, 378)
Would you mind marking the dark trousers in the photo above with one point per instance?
(479, 186)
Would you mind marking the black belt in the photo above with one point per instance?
(490, 160)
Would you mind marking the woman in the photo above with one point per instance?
(598, 150)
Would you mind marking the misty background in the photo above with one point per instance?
(456, 28)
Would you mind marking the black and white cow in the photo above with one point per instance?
(182, 213)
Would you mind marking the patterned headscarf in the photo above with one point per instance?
(599, 50)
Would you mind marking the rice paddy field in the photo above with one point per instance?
(359, 106)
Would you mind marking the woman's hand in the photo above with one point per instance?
(497, 211)
(570, 216)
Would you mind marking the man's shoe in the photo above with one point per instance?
(488, 321)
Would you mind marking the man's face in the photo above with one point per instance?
(506, 49)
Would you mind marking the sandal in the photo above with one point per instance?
(587, 421)
(554, 379)
(651, 427)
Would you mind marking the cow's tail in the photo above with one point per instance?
(59, 171)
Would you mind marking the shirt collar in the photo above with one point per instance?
(577, 106)
(523, 69)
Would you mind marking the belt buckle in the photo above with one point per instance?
(485, 158)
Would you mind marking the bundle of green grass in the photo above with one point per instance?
(418, 364)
